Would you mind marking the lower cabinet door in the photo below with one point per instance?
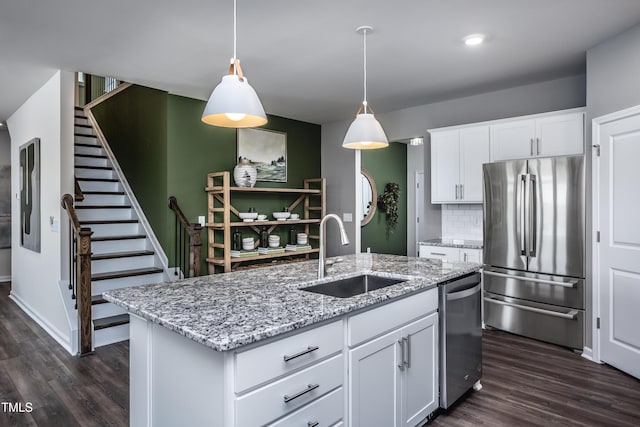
(374, 382)
(420, 376)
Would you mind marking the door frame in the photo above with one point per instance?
(596, 123)
(419, 200)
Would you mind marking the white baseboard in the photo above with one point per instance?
(587, 353)
(44, 324)
(5, 279)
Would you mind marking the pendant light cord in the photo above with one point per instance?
(364, 102)
(235, 32)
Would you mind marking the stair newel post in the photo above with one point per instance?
(195, 244)
(84, 291)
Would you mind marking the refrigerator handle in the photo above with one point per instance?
(520, 217)
(533, 218)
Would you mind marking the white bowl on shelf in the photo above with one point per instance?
(248, 215)
(248, 240)
(281, 215)
(274, 244)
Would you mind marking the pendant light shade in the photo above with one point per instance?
(365, 133)
(234, 103)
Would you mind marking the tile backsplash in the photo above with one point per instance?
(462, 222)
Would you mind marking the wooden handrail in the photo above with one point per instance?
(194, 230)
(79, 195)
(82, 274)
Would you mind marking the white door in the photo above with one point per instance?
(420, 224)
(617, 272)
(474, 152)
(420, 377)
(445, 166)
(374, 382)
(512, 140)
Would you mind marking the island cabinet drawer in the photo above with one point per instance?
(377, 321)
(266, 362)
(290, 393)
(324, 412)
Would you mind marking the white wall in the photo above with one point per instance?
(5, 159)
(36, 276)
(613, 68)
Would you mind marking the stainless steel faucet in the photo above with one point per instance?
(344, 239)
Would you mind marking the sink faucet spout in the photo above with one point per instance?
(344, 239)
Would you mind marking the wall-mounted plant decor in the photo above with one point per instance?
(30, 195)
(388, 203)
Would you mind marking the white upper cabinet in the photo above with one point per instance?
(541, 136)
(456, 164)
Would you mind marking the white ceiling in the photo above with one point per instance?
(304, 57)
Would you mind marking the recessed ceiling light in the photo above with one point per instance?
(474, 39)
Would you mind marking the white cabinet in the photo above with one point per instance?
(457, 156)
(450, 254)
(393, 378)
(540, 136)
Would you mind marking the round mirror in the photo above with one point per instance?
(369, 197)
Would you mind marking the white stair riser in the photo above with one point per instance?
(91, 161)
(103, 199)
(102, 286)
(94, 173)
(108, 246)
(99, 185)
(96, 150)
(111, 335)
(100, 311)
(119, 264)
(81, 120)
(81, 130)
(92, 140)
(104, 214)
(113, 229)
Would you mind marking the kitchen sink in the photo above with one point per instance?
(345, 288)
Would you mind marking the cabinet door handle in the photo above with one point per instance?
(302, 353)
(465, 257)
(461, 192)
(538, 146)
(407, 339)
(401, 364)
(313, 424)
(531, 146)
(457, 192)
(310, 387)
(438, 254)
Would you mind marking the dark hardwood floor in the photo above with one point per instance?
(525, 382)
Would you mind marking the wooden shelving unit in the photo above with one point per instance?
(222, 216)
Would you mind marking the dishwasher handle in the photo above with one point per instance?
(464, 293)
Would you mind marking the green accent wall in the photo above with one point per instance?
(165, 150)
(387, 165)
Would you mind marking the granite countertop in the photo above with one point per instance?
(226, 311)
(454, 243)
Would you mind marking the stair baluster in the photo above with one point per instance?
(184, 228)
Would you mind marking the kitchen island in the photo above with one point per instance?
(234, 349)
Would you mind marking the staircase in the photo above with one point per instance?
(122, 254)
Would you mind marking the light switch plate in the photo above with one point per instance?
(201, 220)
(347, 217)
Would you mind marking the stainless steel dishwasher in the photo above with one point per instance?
(460, 337)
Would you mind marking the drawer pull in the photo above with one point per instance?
(567, 284)
(313, 424)
(571, 315)
(302, 353)
(309, 388)
(438, 254)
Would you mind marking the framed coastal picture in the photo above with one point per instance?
(266, 150)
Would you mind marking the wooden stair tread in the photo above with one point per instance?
(124, 237)
(125, 273)
(108, 322)
(106, 168)
(98, 299)
(112, 255)
(99, 179)
(91, 156)
(109, 221)
(102, 206)
(105, 193)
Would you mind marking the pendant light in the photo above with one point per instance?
(365, 133)
(234, 103)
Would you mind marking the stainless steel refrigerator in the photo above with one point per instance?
(534, 248)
